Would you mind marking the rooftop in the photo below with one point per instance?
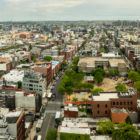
(14, 76)
(75, 130)
(105, 96)
(68, 108)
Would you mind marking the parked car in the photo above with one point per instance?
(62, 106)
(53, 99)
(35, 137)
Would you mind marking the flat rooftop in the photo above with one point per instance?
(114, 62)
(75, 130)
(90, 61)
(105, 96)
(67, 108)
(74, 124)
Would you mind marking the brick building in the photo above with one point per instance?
(45, 69)
(70, 112)
(16, 124)
(104, 101)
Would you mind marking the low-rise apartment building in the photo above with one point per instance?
(45, 69)
(34, 83)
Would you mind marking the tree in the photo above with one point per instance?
(33, 58)
(48, 58)
(128, 120)
(105, 127)
(63, 66)
(102, 50)
(121, 87)
(75, 99)
(96, 91)
(19, 83)
(125, 131)
(111, 72)
(97, 71)
(98, 77)
(137, 85)
(51, 135)
(116, 72)
(30, 47)
(61, 88)
(135, 76)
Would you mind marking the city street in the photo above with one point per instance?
(51, 108)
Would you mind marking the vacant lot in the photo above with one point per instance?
(108, 84)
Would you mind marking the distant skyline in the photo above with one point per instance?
(43, 10)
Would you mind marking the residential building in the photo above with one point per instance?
(12, 124)
(34, 83)
(45, 69)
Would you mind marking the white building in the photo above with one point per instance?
(11, 78)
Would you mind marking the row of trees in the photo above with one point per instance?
(122, 131)
(11, 47)
(74, 66)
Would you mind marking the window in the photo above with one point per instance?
(117, 103)
(131, 103)
(113, 103)
(98, 105)
(98, 112)
(128, 103)
(120, 103)
(105, 105)
(124, 103)
(106, 112)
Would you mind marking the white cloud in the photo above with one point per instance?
(66, 9)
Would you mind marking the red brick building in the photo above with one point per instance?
(45, 69)
(71, 112)
(104, 101)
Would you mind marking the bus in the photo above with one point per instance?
(39, 125)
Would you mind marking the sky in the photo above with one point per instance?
(44, 10)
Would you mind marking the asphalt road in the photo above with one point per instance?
(51, 108)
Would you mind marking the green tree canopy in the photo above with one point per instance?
(98, 77)
(102, 50)
(97, 71)
(75, 99)
(48, 58)
(19, 83)
(75, 63)
(96, 91)
(133, 75)
(137, 85)
(105, 127)
(51, 135)
(121, 87)
(128, 120)
(30, 47)
(125, 131)
(33, 58)
(63, 65)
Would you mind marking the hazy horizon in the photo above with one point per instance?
(69, 10)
